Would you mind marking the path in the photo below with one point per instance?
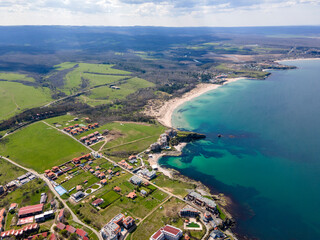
(74, 217)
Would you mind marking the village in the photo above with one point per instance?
(101, 184)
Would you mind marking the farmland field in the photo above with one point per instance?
(15, 97)
(88, 75)
(40, 147)
(79, 179)
(109, 197)
(105, 94)
(9, 172)
(15, 76)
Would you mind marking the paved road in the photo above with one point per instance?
(74, 217)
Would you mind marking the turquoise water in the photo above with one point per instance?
(268, 160)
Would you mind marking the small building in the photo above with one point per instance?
(136, 180)
(81, 233)
(70, 229)
(167, 232)
(148, 174)
(117, 189)
(78, 195)
(128, 222)
(97, 202)
(61, 215)
(216, 234)
(2, 189)
(61, 226)
(43, 198)
(143, 192)
(78, 187)
(132, 195)
(189, 212)
(103, 181)
(13, 207)
(207, 217)
(55, 169)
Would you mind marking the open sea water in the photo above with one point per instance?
(268, 160)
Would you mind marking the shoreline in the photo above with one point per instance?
(295, 59)
(164, 113)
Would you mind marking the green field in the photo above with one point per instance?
(103, 95)
(132, 132)
(109, 197)
(176, 187)
(15, 76)
(79, 179)
(40, 147)
(89, 75)
(15, 97)
(9, 172)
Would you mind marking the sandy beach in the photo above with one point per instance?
(163, 113)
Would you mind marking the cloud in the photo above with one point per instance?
(162, 12)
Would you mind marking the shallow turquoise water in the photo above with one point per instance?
(268, 159)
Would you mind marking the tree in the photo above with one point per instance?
(73, 236)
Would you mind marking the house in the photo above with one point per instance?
(97, 202)
(143, 192)
(147, 174)
(96, 133)
(79, 188)
(117, 189)
(167, 232)
(216, 234)
(55, 169)
(70, 229)
(44, 216)
(78, 195)
(61, 215)
(132, 195)
(189, 212)
(12, 185)
(207, 217)
(13, 206)
(155, 147)
(135, 180)
(18, 234)
(43, 198)
(61, 226)
(2, 189)
(128, 222)
(103, 181)
(132, 159)
(102, 175)
(30, 210)
(81, 233)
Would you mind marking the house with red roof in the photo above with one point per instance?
(61, 226)
(167, 232)
(70, 229)
(61, 215)
(97, 202)
(81, 233)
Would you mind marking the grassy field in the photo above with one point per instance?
(15, 97)
(63, 120)
(109, 197)
(133, 132)
(89, 75)
(103, 95)
(79, 179)
(168, 214)
(15, 76)
(176, 187)
(40, 147)
(9, 172)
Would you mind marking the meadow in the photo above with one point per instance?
(40, 147)
(86, 75)
(9, 172)
(15, 76)
(15, 97)
(105, 94)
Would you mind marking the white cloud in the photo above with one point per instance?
(160, 12)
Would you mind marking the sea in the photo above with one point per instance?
(268, 158)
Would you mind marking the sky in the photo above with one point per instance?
(173, 13)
